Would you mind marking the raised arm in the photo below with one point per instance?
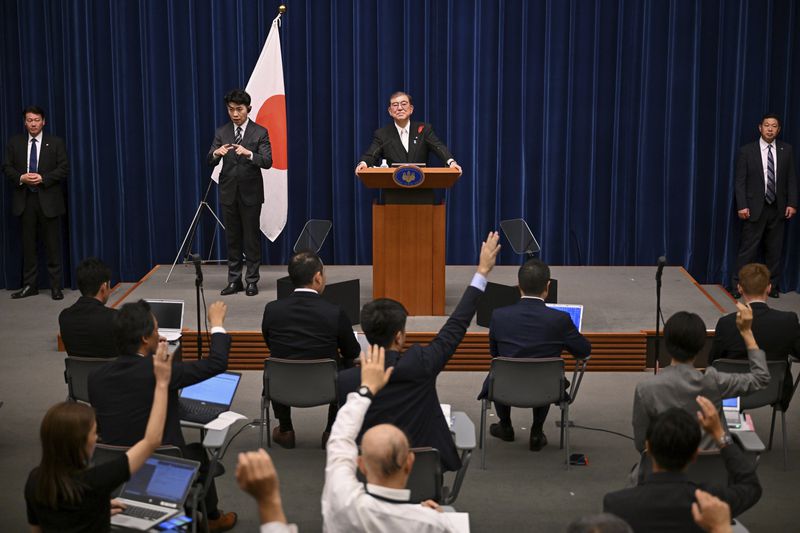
(731, 385)
(162, 368)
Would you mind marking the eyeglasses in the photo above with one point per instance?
(397, 105)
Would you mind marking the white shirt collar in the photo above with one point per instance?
(763, 144)
(532, 298)
(305, 289)
(401, 130)
(38, 138)
(243, 126)
(400, 495)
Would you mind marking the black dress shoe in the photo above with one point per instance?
(252, 289)
(283, 438)
(502, 432)
(538, 441)
(774, 293)
(24, 292)
(56, 294)
(232, 288)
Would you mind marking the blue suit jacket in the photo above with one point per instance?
(531, 329)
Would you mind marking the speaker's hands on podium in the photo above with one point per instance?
(489, 250)
(361, 166)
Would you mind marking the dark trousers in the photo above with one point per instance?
(244, 240)
(539, 416)
(768, 229)
(196, 452)
(284, 415)
(36, 225)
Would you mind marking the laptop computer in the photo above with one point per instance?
(205, 401)
(574, 311)
(731, 408)
(169, 314)
(157, 491)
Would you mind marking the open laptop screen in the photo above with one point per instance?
(161, 481)
(168, 313)
(218, 389)
(575, 312)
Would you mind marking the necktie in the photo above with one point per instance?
(33, 163)
(404, 138)
(238, 139)
(770, 176)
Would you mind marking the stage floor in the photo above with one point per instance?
(615, 299)
(619, 308)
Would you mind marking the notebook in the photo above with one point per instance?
(731, 408)
(156, 491)
(169, 314)
(575, 312)
(205, 401)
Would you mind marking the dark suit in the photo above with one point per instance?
(409, 400)
(305, 326)
(663, 503)
(386, 144)
(241, 193)
(766, 222)
(776, 332)
(39, 207)
(121, 393)
(531, 329)
(87, 328)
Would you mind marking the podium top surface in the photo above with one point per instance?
(382, 178)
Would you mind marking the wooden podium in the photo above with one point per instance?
(408, 238)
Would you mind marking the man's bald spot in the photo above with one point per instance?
(384, 448)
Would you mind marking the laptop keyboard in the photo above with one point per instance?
(143, 512)
(195, 412)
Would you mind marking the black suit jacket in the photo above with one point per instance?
(409, 400)
(240, 175)
(531, 329)
(663, 503)
(749, 180)
(87, 328)
(305, 326)
(386, 144)
(52, 165)
(121, 393)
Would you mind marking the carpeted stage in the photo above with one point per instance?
(619, 308)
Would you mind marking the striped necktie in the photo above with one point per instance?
(770, 195)
(238, 139)
(33, 164)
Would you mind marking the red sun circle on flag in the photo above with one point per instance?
(272, 116)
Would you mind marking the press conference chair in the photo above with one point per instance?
(76, 375)
(296, 383)
(528, 383)
(771, 395)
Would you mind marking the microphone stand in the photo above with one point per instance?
(657, 347)
(198, 286)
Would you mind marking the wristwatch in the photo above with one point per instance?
(725, 441)
(364, 391)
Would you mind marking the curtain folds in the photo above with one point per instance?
(611, 126)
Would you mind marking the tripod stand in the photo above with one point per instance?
(186, 245)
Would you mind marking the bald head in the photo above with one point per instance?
(385, 457)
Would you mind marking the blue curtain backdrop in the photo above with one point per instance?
(611, 126)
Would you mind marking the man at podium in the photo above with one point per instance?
(405, 141)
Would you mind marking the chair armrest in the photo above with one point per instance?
(215, 438)
(577, 376)
(749, 441)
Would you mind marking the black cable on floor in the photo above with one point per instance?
(604, 431)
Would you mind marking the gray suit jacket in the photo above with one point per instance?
(240, 175)
(679, 384)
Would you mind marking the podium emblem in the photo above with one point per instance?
(408, 176)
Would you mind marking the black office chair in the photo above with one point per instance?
(76, 375)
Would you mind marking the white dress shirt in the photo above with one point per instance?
(278, 527)
(403, 133)
(38, 152)
(763, 145)
(346, 504)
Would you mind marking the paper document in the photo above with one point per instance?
(224, 420)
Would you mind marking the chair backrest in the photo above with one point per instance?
(425, 480)
(526, 382)
(300, 382)
(76, 374)
(708, 469)
(768, 396)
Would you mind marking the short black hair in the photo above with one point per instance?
(684, 335)
(673, 437)
(533, 277)
(91, 274)
(303, 266)
(35, 109)
(771, 115)
(599, 523)
(237, 96)
(134, 321)
(381, 319)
